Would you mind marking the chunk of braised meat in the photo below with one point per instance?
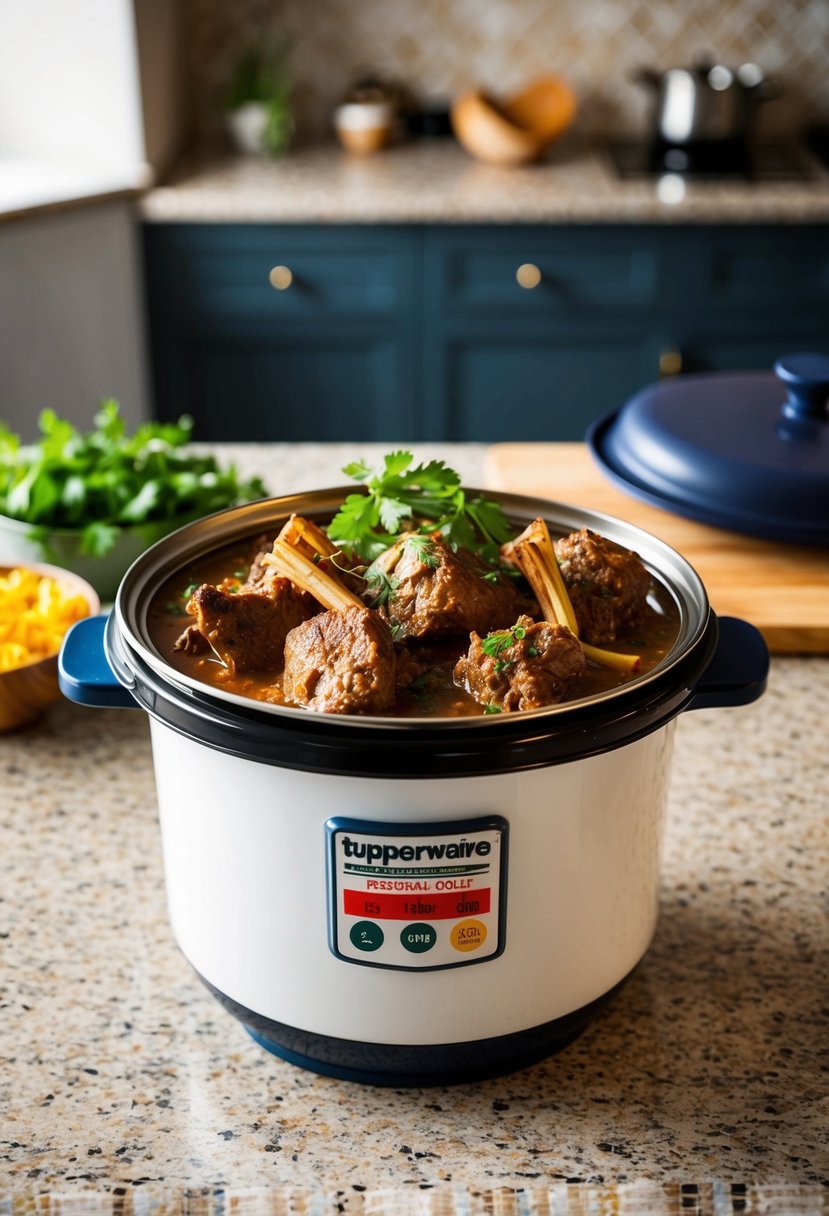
(191, 642)
(531, 665)
(608, 584)
(247, 630)
(341, 663)
(260, 576)
(438, 592)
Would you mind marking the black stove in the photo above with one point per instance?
(714, 162)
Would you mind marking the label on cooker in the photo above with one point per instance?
(417, 897)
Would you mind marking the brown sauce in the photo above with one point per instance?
(431, 695)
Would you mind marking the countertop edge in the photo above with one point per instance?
(704, 1197)
(442, 184)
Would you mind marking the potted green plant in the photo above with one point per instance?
(259, 113)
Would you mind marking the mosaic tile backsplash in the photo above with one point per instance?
(438, 47)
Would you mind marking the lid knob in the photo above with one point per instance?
(806, 377)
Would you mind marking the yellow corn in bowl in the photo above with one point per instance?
(38, 605)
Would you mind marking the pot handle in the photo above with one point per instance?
(84, 673)
(738, 672)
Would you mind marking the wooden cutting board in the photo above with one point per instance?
(782, 589)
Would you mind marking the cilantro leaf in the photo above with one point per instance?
(395, 464)
(358, 470)
(392, 512)
(423, 548)
(495, 643)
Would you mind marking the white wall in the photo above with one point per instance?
(91, 99)
(71, 329)
(69, 83)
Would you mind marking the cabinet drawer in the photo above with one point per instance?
(542, 271)
(235, 275)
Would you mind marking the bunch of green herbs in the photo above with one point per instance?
(426, 499)
(101, 481)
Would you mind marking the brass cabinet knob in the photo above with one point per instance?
(670, 361)
(528, 275)
(281, 278)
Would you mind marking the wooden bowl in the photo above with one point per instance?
(25, 692)
(518, 130)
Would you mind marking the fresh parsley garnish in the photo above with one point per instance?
(423, 549)
(494, 643)
(428, 496)
(380, 587)
(100, 481)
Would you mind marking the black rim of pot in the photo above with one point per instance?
(332, 746)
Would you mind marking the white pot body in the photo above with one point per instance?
(253, 897)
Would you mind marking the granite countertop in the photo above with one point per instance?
(704, 1087)
(437, 181)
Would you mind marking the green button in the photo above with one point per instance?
(365, 935)
(417, 939)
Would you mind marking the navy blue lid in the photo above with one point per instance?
(747, 451)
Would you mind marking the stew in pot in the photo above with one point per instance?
(448, 615)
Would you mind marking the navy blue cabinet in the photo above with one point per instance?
(276, 333)
(533, 332)
(482, 332)
(751, 294)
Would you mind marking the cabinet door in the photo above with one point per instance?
(757, 273)
(498, 386)
(753, 294)
(532, 333)
(318, 385)
(274, 332)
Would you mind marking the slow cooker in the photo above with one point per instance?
(411, 901)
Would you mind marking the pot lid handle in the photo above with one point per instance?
(806, 377)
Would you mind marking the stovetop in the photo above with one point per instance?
(764, 162)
